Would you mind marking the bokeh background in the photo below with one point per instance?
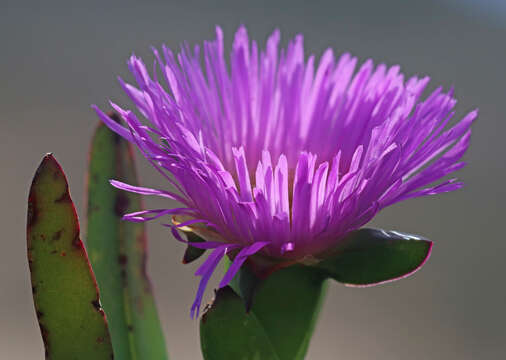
(58, 57)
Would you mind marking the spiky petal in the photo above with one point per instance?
(279, 154)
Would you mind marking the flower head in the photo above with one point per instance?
(281, 155)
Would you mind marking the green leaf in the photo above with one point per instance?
(228, 332)
(287, 304)
(118, 251)
(370, 256)
(65, 293)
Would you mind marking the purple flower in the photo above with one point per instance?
(282, 156)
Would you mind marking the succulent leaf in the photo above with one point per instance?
(118, 251)
(65, 292)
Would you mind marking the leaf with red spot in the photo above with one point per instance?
(65, 293)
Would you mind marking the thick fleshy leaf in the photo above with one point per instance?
(65, 293)
(287, 304)
(228, 332)
(118, 251)
(371, 256)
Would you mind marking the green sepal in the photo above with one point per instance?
(192, 253)
(368, 257)
(286, 304)
(228, 332)
(246, 283)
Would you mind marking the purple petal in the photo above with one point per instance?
(270, 146)
(240, 259)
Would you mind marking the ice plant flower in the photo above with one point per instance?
(281, 156)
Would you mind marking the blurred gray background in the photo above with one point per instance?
(57, 58)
